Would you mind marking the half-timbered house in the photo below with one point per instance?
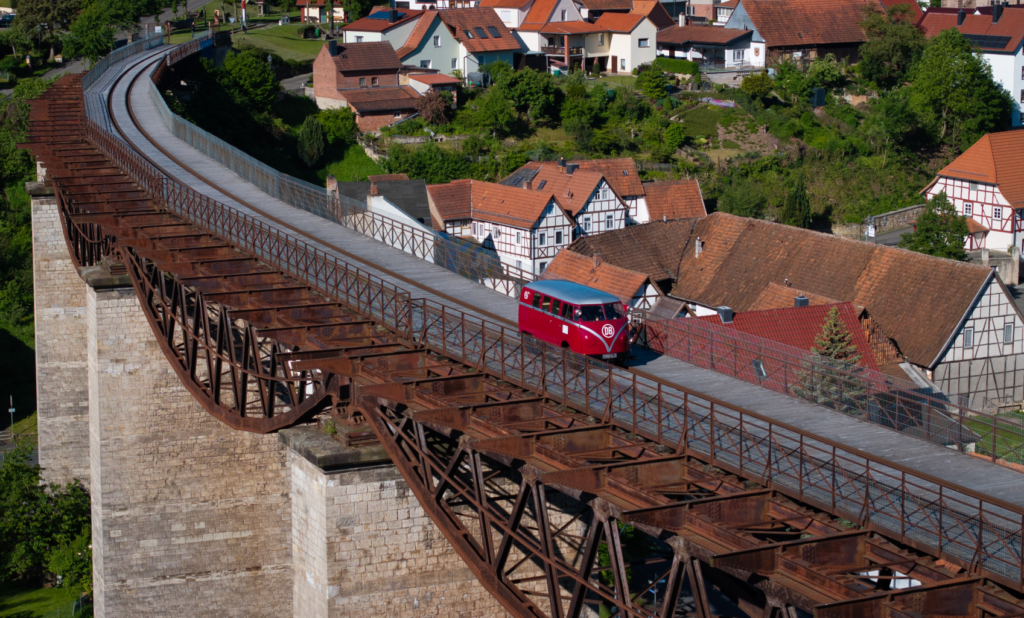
(525, 228)
(633, 288)
(986, 185)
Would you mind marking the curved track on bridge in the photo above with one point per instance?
(533, 461)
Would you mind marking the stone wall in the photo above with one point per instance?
(190, 518)
(62, 395)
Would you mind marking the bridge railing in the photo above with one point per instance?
(151, 40)
(469, 261)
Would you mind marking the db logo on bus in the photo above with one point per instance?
(607, 331)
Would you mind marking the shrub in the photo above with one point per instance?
(311, 141)
(339, 124)
(677, 65)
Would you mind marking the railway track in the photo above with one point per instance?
(533, 461)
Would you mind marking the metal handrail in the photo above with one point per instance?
(101, 67)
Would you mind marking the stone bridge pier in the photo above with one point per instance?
(192, 518)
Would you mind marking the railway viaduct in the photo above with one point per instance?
(269, 428)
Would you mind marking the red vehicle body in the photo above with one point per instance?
(577, 317)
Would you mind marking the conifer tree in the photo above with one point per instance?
(831, 376)
(835, 341)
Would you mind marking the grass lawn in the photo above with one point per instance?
(18, 600)
(552, 135)
(356, 165)
(283, 41)
(615, 80)
(722, 154)
(1009, 438)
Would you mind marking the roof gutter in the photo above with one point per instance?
(963, 320)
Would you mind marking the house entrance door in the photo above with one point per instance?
(615, 64)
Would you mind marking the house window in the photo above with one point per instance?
(968, 209)
(398, 114)
(622, 64)
(644, 42)
(497, 232)
(359, 39)
(600, 39)
(474, 229)
(563, 16)
(997, 212)
(551, 41)
(362, 82)
(424, 64)
(1008, 333)
(437, 41)
(586, 223)
(968, 337)
(506, 16)
(543, 239)
(737, 55)
(519, 264)
(1022, 94)
(609, 221)
(543, 265)
(604, 193)
(374, 82)
(519, 238)
(558, 238)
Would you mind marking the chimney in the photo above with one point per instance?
(725, 314)
(332, 185)
(801, 301)
(561, 162)
(529, 185)
(332, 47)
(570, 168)
(373, 188)
(597, 260)
(682, 19)
(392, 15)
(664, 218)
(997, 12)
(698, 247)
(961, 15)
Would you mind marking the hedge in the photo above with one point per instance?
(677, 65)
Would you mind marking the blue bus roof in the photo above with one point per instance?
(572, 292)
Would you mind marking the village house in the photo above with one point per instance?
(634, 289)
(525, 228)
(587, 197)
(363, 77)
(624, 178)
(615, 43)
(802, 29)
(999, 36)
(512, 13)
(673, 199)
(951, 323)
(986, 185)
(459, 40)
(382, 24)
(430, 82)
(718, 48)
(724, 11)
(315, 12)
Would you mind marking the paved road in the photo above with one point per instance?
(293, 84)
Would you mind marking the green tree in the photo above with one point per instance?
(531, 92)
(824, 72)
(339, 124)
(91, 34)
(796, 210)
(435, 107)
(653, 84)
(72, 562)
(743, 198)
(940, 231)
(311, 141)
(758, 86)
(892, 123)
(893, 44)
(675, 135)
(251, 80)
(831, 376)
(42, 21)
(494, 113)
(430, 162)
(954, 93)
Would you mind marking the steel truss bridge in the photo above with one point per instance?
(533, 461)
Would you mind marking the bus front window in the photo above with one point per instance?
(591, 313)
(613, 311)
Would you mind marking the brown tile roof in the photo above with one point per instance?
(365, 57)
(619, 282)
(655, 11)
(677, 199)
(974, 227)
(802, 23)
(380, 25)
(626, 185)
(619, 22)
(571, 191)
(776, 296)
(488, 201)
(1011, 25)
(419, 31)
(386, 177)
(995, 159)
(711, 35)
(917, 299)
(538, 15)
(653, 248)
(459, 21)
(608, 5)
(504, 4)
(435, 79)
(380, 99)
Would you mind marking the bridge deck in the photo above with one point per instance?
(423, 279)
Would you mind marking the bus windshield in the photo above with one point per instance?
(598, 313)
(613, 311)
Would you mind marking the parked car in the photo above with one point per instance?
(6, 20)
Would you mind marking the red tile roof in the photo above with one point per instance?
(571, 191)
(504, 4)
(653, 248)
(619, 22)
(621, 174)
(571, 27)
(419, 31)
(453, 201)
(711, 35)
(435, 79)
(994, 159)
(370, 56)
(380, 25)
(655, 11)
(488, 201)
(365, 100)
(386, 177)
(677, 199)
(595, 273)
(607, 5)
(802, 23)
(798, 327)
(459, 21)
(538, 15)
(777, 296)
(1011, 25)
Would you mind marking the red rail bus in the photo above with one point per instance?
(573, 316)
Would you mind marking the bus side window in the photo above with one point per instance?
(545, 305)
(536, 299)
(556, 306)
(567, 311)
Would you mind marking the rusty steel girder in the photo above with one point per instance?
(555, 505)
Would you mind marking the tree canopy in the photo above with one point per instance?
(251, 79)
(893, 44)
(531, 92)
(940, 231)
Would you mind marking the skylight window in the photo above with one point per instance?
(480, 32)
(468, 34)
(625, 172)
(541, 185)
(494, 32)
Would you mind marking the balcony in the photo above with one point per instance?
(560, 51)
